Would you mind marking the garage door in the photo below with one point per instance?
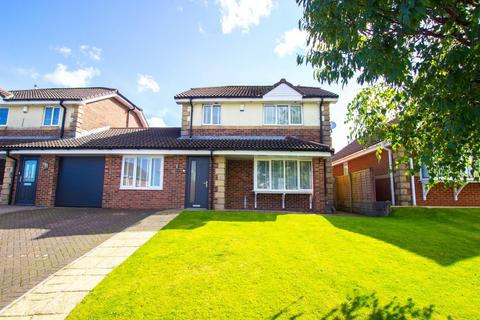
(80, 182)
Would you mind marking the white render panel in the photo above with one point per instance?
(252, 115)
(282, 92)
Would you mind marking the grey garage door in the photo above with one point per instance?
(80, 182)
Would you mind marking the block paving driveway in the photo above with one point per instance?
(36, 243)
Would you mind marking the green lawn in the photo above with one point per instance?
(417, 263)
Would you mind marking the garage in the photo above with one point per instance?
(80, 182)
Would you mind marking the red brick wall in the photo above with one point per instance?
(365, 162)
(47, 181)
(239, 186)
(311, 134)
(172, 195)
(440, 195)
(108, 112)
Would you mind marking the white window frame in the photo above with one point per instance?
(211, 114)
(8, 112)
(51, 119)
(284, 190)
(289, 114)
(123, 187)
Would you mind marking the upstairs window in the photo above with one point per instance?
(51, 116)
(211, 114)
(283, 175)
(3, 116)
(142, 172)
(282, 114)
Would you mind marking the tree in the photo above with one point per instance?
(420, 63)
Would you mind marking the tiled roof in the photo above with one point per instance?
(60, 93)
(169, 138)
(251, 91)
(352, 148)
(15, 141)
(4, 93)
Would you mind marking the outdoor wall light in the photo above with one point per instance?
(242, 107)
(44, 165)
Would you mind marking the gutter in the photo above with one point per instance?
(128, 116)
(10, 193)
(191, 118)
(62, 129)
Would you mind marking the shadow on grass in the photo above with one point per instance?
(367, 306)
(443, 235)
(285, 310)
(196, 219)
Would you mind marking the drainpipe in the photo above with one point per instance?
(191, 117)
(13, 176)
(321, 120)
(412, 184)
(128, 116)
(62, 129)
(390, 169)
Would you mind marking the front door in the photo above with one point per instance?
(27, 181)
(197, 182)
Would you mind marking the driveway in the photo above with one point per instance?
(36, 243)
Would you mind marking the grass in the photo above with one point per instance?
(417, 263)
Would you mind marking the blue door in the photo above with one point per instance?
(80, 182)
(27, 181)
(197, 182)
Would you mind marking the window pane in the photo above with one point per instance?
(425, 174)
(56, 112)
(291, 175)
(282, 114)
(47, 119)
(207, 114)
(216, 114)
(305, 175)
(3, 116)
(30, 171)
(277, 175)
(142, 172)
(128, 168)
(263, 169)
(295, 115)
(155, 175)
(269, 115)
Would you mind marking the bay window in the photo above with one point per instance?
(283, 114)
(283, 175)
(211, 114)
(142, 172)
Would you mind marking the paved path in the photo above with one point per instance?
(4, 209)
(56, 296)
(35, 244)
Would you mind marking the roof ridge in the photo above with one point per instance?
(66, 88)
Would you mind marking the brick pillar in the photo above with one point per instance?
(401, 178)
(185, 120)
(326, 126)
(77, 120)
(329, 205)
(219, 170)
(7, 180)
(47, 181)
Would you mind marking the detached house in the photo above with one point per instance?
(239, 147)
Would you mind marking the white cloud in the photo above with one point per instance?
(29, 72)
(156, 122)
(200, 29)
(75, 78)
(63, 50)
(243, 13)
(146, 82)
(292, 41)
(93, 53)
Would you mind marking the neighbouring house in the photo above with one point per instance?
(57, 113)
(239, 147)
(395, 184)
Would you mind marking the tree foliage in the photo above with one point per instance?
(420, 63)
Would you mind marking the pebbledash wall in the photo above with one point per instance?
(439, 195)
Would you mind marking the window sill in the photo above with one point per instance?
(145, 188)
(284, 191)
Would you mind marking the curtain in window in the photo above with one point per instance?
(278, 175)
(128, 169)
(282, 114)
(155, 173)
(305, 175)
(295, 115)
(263, 174)
(216, 114)
(291, 175)
(269, 114)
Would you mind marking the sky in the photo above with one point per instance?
(151, 50)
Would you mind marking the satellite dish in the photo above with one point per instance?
(333, 125)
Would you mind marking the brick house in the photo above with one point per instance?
(239, 147)
(396, 184)
(57, 113)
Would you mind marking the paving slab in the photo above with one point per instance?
(57, 295)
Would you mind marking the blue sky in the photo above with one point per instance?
(151, 50)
